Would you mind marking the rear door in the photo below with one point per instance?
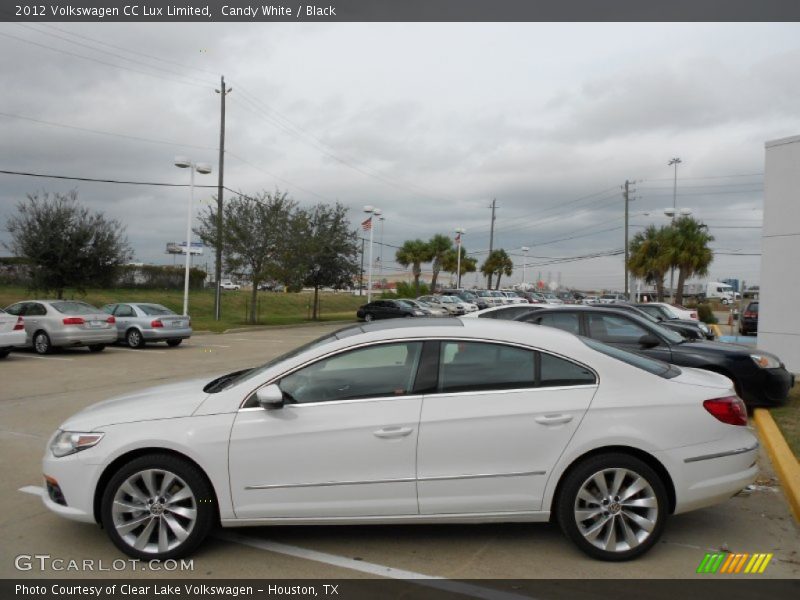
(495, 425)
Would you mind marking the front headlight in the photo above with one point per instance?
(765, 361)
(418, 313)
(70, 442)
(703, 327)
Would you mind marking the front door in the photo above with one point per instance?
(344, 444)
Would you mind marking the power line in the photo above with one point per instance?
(96, 180)
(257, 168)
(108, 133)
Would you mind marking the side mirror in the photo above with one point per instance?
(648, 340)
(270, 397)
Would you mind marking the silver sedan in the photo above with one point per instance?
(64, 323)
(142, 322)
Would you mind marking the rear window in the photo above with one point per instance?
(74, 308)
(752, 307)
(656, 367)
(155, 310)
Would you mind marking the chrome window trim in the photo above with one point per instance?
(271, 486)
(438, 338)
(721, 454)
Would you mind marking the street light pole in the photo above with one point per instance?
(183, 163)
(459, 232)
(380, 252)
(371, 210)
(524, 263)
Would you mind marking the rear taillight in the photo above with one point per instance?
(750, 315)
(693, 315)
(730, 410)
(20, 324)
(157, 323)
(73, 321)
(111, 320)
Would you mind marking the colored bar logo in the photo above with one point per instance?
(730, 563)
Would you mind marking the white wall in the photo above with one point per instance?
(779, 318)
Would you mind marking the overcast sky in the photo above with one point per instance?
(427, 121)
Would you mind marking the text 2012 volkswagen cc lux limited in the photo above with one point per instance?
(410, 421)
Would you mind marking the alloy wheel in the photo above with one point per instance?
(154, 511)
(41, 343)
(134, 338)
(616, 510)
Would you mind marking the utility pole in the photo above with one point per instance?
(222, 91)
(627, 288)
(674, 162)
(491, 236)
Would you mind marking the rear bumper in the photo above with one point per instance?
(12, 338)
(165, 333)
(749, 325)
(84, 337)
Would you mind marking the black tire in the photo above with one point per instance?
(4, 352)
(204, 503)
(134, 338)
(97, 347)
(173, 343)
(368, 317)
(41, 343)
(606, 466)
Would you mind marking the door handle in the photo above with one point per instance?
(554, 419)
(392, 432)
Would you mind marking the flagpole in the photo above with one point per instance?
(459, 231)
(376, 211)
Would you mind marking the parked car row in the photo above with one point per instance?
(47, 324)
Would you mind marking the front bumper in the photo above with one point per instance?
(76, 476)
(767, 387)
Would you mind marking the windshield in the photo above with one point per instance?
(155, 309)
(237, 377)
(74, 308)
(656, 367)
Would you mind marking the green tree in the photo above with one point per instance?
(67, 244)
(412, 254)
(450, 262)
(328, 245)
(497, 263)
(438, 247)
(689, 251)
(650, 256)
(258, 234)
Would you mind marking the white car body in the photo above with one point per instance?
(12, 332)
(514, 299)
(229, 285)
(677, 311)
(491, 455)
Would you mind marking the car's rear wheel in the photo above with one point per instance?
(158, 507)
(41, 342)
(368, 317)
(174, 343)
(97, 347)
(613, 506)
(134, 338)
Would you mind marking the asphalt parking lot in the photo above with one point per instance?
(38, 393)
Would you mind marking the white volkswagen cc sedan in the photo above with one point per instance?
(410, 421)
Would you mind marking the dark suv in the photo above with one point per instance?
(749, 321)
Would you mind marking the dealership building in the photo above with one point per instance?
(779, 319)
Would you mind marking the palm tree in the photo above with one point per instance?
(689, 251)
(498, 262)
(650, 256)
(413, 253)
(450, 262)
(438, 247)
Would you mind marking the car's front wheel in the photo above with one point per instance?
(369, 317)
(613, 506)
(158, 507)
(134, 338)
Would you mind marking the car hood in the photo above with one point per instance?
(161, 402)
(728, 348)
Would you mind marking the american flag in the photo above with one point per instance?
(458, 238)
(367, 225)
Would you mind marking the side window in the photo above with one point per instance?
(474, 366)
(16, 309)
(35, 309)
(560, 320)
(109, 309)
(613, 329)
(556, 371)
(372, 372)
(123, 310)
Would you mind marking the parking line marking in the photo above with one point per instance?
(43, 357)
(36, 490)
(433, 581)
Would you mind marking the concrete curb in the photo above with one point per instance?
(786, 465)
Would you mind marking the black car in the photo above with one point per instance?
(387, 309)
(760, 378)
(662, 314)
(748, 322)
(688, 328)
